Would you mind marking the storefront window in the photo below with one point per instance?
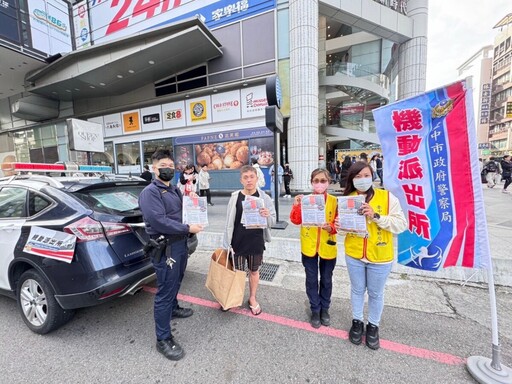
(128, 158)
(105, 158)
(38, 145)
(151, 146)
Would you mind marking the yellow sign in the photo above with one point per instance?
(198, 110)
(508, 113)
(131, 122)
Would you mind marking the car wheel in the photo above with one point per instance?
(38, 307)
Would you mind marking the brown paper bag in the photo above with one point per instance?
(225, 283)
(221, 255)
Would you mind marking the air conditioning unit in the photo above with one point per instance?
(35, 108)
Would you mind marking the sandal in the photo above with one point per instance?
(256, 310)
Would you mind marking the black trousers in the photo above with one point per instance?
(206, 192)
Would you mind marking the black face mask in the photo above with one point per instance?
(165, 174)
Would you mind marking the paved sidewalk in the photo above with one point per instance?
(285, 243)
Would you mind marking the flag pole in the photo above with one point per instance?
(483, 369)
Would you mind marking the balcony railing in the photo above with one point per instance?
(359, 71)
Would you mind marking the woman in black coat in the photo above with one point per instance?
(506, 172)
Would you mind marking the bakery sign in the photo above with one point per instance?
(396, 5)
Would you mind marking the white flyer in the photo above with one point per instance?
(313, 210)
(195, 210)
(251, 217)
(349, 215)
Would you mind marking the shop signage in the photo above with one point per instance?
(49, 26)
(508, 113)
(112, 124)
(396, 5)
(273, 91)
(254, 101)
(223, 136)
(81, 25)
(198, 111)
(85, 136)
(131, 122)
(226, 106)
(112, 19)
(151, 120)
(485, 103)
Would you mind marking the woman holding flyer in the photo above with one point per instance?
(370, 258)
(318, 246)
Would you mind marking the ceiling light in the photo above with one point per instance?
(328, 27)
(151, 62)
(102, 84)
(215, 90)
(77, 89)
(92, 86)
(131, 71)
(187, 96)
(119, 76)
(329, 35)
(68, 90)
(245, 84)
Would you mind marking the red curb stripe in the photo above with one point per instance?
(443, 358)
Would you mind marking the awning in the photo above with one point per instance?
(123, 65)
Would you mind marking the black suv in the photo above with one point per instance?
(70, 242)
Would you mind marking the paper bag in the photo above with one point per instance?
(225, 283)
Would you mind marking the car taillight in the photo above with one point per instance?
(114, 229)
(87, 229)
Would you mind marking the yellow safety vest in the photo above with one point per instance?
(313, 240)
(377, 247)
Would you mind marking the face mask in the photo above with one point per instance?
(187, 177)
(165, 174)
(319, 188)
(363, 184)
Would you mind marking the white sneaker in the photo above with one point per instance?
(505, 191)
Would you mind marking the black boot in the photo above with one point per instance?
(356, 332)
(315, 319)
(325, 319)
(372, 336)
(170, 349)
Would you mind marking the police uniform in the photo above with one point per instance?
(161, 207)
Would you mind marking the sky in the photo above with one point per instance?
(457, 29)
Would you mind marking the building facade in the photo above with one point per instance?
(189, 75)
(500, 125)
(479, 69)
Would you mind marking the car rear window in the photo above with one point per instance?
(118, 199)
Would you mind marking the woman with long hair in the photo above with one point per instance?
(369, 259)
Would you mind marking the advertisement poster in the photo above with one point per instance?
(183, 156)
(262, 150)
(223, 155)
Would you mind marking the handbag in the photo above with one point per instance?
(226, 283)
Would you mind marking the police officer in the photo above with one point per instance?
(161, 206)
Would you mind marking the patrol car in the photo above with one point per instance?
(69, 241)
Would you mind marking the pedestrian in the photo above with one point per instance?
(161, 206)
(280, 172)
(331, 167)
(318, 249)
(345, 166)
(506, 169)
(146, 175)
(261, 176)
(369, 259)
(188, 180)
(204, 184)
(492, 169)
(373, 165)
(248, 244)
(378, 162)
(287, 178)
